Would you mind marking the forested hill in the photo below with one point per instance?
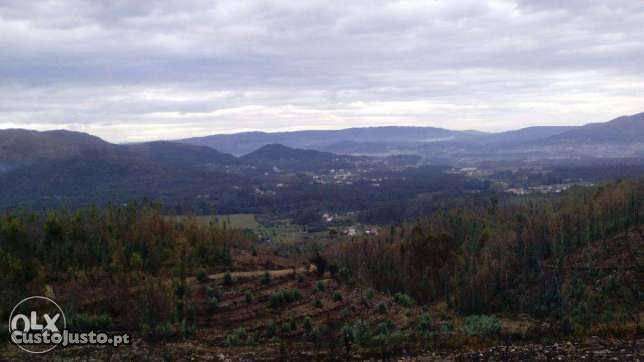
(62, 168)
(24, 146)
(286, 158)
(573, 260)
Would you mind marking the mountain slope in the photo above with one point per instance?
(522, 135)
(622, 130)
(178, 154)
(621, 136)
(292, 159)
(19, 145)
(70, 168)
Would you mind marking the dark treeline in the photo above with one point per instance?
(119, 251)
(570, 258)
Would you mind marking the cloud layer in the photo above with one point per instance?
(139, 70)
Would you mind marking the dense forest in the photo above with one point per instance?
(112, 252)
(569, 261)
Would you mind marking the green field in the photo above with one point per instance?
(236, 221)
(280, 231)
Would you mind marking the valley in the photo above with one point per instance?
(302, 254)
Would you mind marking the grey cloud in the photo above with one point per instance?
(213, 66)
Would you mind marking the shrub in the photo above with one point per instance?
(345, 314)
(276, 300)
(296, 294)
(482, 325)
(345, 274)
(316, 336)
(319, 286)
(386, 327)
(188, 329)
(333, 270)
(337, 296)
(307, 325)
(370, 294)
(163, 330)
(228, 279)
(288, 327)
(361, 333)
(404, 300)
(86, 322)
(213, 304)
(237, 337)
(248, 296)
(283, 297)
(389, 342)
(447, 327)
(382, 308)
(180, 291)
(266, 278)
(347, 334)
(271, 329)
(317, 303)
(424, 324)
(212, 292)
(202, 277)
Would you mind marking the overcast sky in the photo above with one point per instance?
(141, 70)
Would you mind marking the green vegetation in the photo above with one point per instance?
(229, 221)
(382, 308)
(561, 266)
(266, 278)
(228, 279)
(213, 304)
(320, 286)
(237, 337)
(271, 329)
(135, 246)
(424, 325)
(307, 325)
(283, 297)
(370, 294)
(481, 325)
(529, 256)
(85, 322)
(202, 277)
(337, 296)
(403, 299)
(239, 221)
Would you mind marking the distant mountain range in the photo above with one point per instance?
(621, 136)
(43, 168)
(63, 167)
(242, 143)
(622, 130)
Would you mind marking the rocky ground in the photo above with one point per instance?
(592, 349)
